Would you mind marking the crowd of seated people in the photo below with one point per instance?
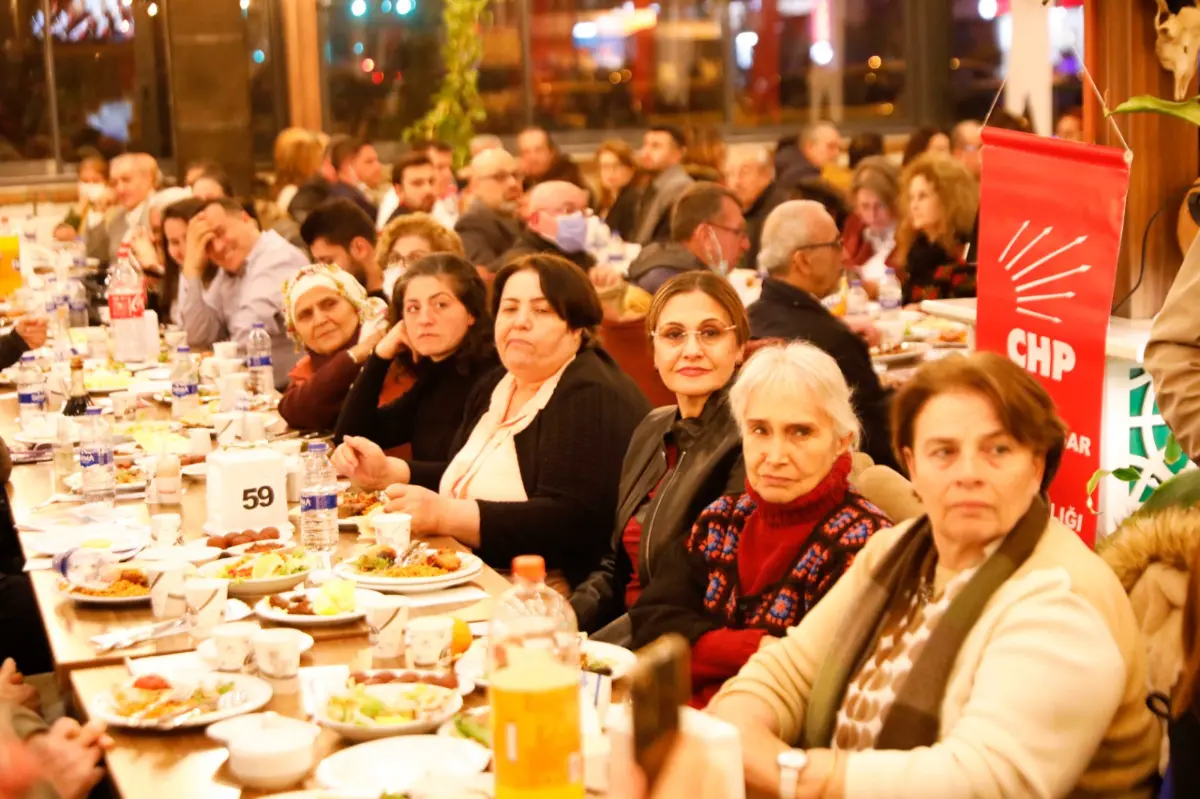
(871, 575)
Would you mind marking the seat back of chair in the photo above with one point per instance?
(888, 490)
(628, 344)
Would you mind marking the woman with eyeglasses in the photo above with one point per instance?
(407, 239)
(444, 339)
(681, 457)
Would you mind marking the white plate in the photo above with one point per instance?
(236, 610)
(270, 585)
(207, 650)
(124, 542)
(196, 471)
(910, 351)
(473, 663)
(353, 732)
(465, 687)
(255, 693)
(195, 555)
(471, 566)
(264, 610)
(396, 764)
(240, 549)
(74, 482)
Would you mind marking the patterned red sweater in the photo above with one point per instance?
(769, 564)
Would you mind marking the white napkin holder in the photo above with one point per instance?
(719, 739)
(246, 489)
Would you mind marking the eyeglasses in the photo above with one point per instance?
(740, 232)
(404, 261)
(675, 338)
(836, 244)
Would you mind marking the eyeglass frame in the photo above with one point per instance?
(741, 233)
(401, 260)
(837, 244)
(688, 335)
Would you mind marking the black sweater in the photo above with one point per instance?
(570, 458)
(427, 416)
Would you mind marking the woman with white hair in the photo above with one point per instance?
(755, 564)
(330, 315)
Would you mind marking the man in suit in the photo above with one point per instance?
(662, 156)
(489, 227)
(134, 177)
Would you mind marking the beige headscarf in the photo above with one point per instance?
(372, 311)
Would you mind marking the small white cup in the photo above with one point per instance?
(227, 367)
(429, 642)
(228, 426)
(206, 598)
(164, 529)
(175, 339)
(254, 427)
(225, 349)
(233, 644)
(124, 406)
(289, 448)
(199, 441)
(386, 618)
(231, 388)
(393, 529)
(166, 588)
(277, 653)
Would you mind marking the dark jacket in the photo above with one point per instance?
(570, 459)
(531, 242)
(709, 465)
(12, 347)
(427, 416)
(792, 165)
(654, 208)
(561, 168)
(622, 217)
(756, 216)
(784, 311)
(657, 263)
(355, 196)
(485, 234)
(401, 210)
(931, 273)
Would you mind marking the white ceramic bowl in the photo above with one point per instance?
(267, 751)
(388, 691)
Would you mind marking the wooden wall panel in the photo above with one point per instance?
(210, 99)
(1119, 49)
(301, 33)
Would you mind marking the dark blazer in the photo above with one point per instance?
(561, 168)
(355, 196)
(622, 217)
(485, 234)
(570, 459)
(784, 311)
(530, 242)
(756, 216)
(654, 210)
(709, 465)
(427, 416)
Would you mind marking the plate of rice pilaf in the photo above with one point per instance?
(129, 588)
(427, 569)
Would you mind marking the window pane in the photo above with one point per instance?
(95, 76)
(383, 61)
(609, 64)
(802, 60)
(268, 90)
(24, 102)
(983, 37)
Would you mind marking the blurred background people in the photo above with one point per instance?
(619, 189)
(751, 176)
(869, 235)
(489, 226)
(541, 160)
(939, 202)
(555, 224)
(863, 145)
(94, 199)
(662, 155)
(966, 140)
(414, 184)
(925, 140)
(406, 240)
(706, 153)
(338, 232)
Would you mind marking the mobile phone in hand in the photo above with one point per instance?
(661, 685)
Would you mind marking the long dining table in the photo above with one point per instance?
(183, 764)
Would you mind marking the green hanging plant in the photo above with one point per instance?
(1182, 489)
(457, 106)
(1187, 110)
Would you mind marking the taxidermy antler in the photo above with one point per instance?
(1177, 43)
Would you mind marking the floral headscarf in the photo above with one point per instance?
(372, 311)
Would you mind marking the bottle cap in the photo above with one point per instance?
(529, 567)
(318, 446)
(28, 357)
(93, 411)
(183, 348)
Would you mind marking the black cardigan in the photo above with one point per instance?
(570, 458)
(427, 416)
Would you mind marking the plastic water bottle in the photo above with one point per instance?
(533, 687)
(96, 459)
(318, 501)
(258, 360)
(31, 393)
(126, 308)
(77, 303)
(858, 304)
(891, 296)
(185, 384)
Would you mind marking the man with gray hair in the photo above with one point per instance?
(818, 145)
(966, 140)
(750, 175)
(134, 177)
(802, 256)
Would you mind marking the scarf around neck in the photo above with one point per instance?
(914, 718)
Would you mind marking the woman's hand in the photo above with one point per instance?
(69, 756)
(824, 777)
(427, 508)
(364, 463)
(395, 339)
(32, 328)
(363, 348)
(199, 235)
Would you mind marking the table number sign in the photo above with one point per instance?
(247, 489)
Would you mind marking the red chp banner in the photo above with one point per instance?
(1050, 220)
